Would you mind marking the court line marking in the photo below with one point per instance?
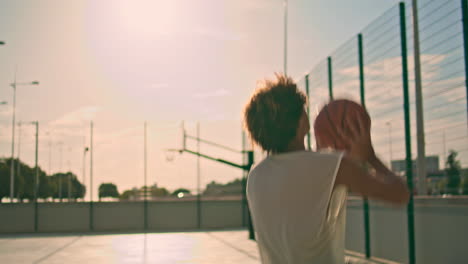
(233, 246)
(57, 250)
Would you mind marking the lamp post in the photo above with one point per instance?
(3, 102)
(421, 145)
(18, 167)
(86, 149)
(389, 124)
(12, 167)
(36, 181)
(69, 174)
(60, 171)
(36, 187)
(285, 3)
(2, 43)
(50, 153)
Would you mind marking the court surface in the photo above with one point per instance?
(182, 247)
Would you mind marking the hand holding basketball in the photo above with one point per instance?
(344, 125)
(357, 139)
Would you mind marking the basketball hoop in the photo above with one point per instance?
(170, 154)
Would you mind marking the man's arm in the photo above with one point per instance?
(386, 187)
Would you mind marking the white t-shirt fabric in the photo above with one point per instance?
(297, 215)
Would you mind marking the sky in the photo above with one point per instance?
(123, 63)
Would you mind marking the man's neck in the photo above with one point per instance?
(296, 146)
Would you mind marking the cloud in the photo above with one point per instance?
(443, 93)
(5, 111)
(71, 124)
(158, 86)
(260, 4)
(76, 117)
(218, 34)
(215, 93)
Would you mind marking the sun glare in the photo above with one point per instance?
(153, 17)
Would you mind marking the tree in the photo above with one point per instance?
(453, 169)
(4, 179)
(464, 186)
(77, 189)
(126, 195)
(180, 191)
(108, 190)
(158, 192)
(231, 188)
(25, 181)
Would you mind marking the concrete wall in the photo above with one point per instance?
(441, 225)
(62, 217)
(17, 218)
(441, 230)
(120, 216)
(168, 215)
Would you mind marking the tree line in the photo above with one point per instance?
(54, 186)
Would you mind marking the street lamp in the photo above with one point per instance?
(2, 42)
(48, 134)
(36, 185)
(12, 167)
(18, 167)
(86, 149)
(389, 124)
(3, 102)
(285, 58)
(60, 144)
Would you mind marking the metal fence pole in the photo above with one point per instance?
(464, 5)
(363, 103)
(244, 179)
(330, 78)
(308, 108)
(409, 162)
(36, 187)
(199, 212)
(91, 209)
(145, 188)
(250, 160)
(421, 146)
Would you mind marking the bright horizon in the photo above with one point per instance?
(162, 62)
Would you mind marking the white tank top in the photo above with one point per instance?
(297, 215)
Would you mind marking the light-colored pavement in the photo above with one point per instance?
(220, 247)
(191, 247)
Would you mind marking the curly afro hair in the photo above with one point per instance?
(272, 114)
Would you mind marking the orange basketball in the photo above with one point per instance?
(336, 115)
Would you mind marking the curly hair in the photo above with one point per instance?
(272, 114)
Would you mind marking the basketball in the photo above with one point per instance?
(336, 115)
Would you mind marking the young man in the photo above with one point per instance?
(297, 198)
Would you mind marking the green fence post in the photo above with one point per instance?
(250, 162)
(308, 108)
(330, 78)
(464, 6)
(91, 209)
(145, 188)
(363, 103)
(199, 211)
(409, 162)
(244, 180)
(36, 180)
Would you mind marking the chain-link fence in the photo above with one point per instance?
(378, 69)
(442, 70)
